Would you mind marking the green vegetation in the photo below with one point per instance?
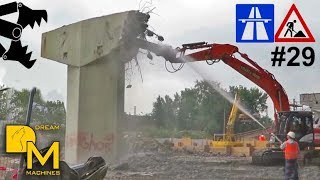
(13, 106)
(174, 133)
(196, 112)
(203, 109)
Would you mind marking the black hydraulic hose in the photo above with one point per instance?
(30, 103)
(28, 119)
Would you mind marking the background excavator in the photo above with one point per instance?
(228, 139)
(235, 114)
(232, 119)
(285, 120)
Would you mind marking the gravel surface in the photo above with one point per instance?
(150, 159)
(172, 165)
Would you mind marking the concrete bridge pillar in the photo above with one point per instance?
(95, 53)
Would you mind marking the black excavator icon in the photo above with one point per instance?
(13, 31)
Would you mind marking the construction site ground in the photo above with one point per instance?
(160, 163)
(149, 159)
(199, 166)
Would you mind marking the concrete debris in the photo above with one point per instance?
(121, 167)
(139, 143)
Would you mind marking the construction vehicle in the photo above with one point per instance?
(285, 120)
(231, 143)
(227, 143)
(228, 139)
(219, 140)
(232, 119)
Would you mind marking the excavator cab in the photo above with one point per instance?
(301, 123)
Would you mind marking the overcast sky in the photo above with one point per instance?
(179, 21)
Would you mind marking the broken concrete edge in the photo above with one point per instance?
(80, 43)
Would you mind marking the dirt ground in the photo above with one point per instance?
(172, 165)
(150, 159)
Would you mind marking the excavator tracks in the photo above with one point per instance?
(267, 157)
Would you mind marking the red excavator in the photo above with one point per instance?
(285, 120)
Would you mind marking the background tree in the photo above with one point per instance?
(19, 102)
(3, 104)
(212, 107)
(198, 108)
(158, 113)
(55, 112)
(255, 102)
(43, 111)
(202, 108)
(253, 99)
(188, 109)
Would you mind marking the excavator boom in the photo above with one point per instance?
(251, 70)
(226, 53)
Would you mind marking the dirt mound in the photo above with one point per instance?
(146, 144)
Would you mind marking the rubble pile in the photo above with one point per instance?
(140, 143)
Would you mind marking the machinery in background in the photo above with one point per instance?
(229, 139)
(228, 143)
(229, 136)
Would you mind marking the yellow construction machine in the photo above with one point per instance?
(227, 143)
(229, 139)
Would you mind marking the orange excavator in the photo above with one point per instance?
(285, 120)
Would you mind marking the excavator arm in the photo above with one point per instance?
(226, 53)
(249, 69)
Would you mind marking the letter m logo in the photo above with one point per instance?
(53, 150)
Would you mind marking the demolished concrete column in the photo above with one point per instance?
(95, 52)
